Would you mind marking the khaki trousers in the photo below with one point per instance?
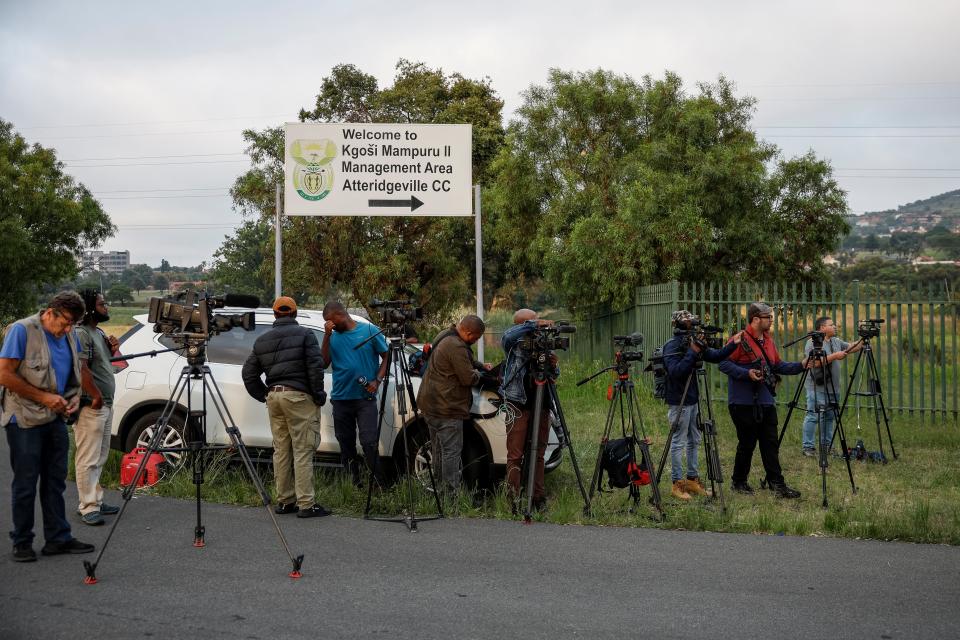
(92, 435)
(295, 424)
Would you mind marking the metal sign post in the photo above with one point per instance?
(278, 252)
(478, 251)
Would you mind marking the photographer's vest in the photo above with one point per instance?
(37, 370)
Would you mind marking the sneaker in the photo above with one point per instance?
(695, 487)
(677, 491)
(70, 546)
(743, 487)
(283, 509)
(810, 453)
(316, 511)
(94, 519)
(108, 509)
(783, 491)
(24, 553)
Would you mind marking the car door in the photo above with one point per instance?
(226, 353)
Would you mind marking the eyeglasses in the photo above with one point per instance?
(766, 316)
(63, 316)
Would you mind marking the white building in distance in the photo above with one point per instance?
(104, 261)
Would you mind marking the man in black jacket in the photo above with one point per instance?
(290, 357)
(681, 356)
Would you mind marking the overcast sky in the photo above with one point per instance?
(872, 86)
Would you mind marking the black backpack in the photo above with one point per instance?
(619, 460)
(659, 371)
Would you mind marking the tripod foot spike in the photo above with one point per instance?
(297, 563)
(91, 577)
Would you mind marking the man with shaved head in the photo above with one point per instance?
(518, 390)
(446, 395)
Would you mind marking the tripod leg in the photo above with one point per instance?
(648, 461)
(383, 403)
(127, 493)
(878, 407)
(534, 432)
(566, 437)
(786, 421)
(234, 433)
(597, 468)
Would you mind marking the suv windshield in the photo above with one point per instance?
(229, 347)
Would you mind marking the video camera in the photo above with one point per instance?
(394, 315)
(869, 328)
(704, 336)
(548, 338)
(190, 315)
(622, 343)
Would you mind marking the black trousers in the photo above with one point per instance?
(756, 424)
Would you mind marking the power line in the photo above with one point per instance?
(184, 155)
(162, 190)
(877, 135)
(213, 195)
(154, 164)
(858, 126)
(148, 122)
(859, 84)
(153, 133)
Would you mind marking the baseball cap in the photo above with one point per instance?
(284, 304)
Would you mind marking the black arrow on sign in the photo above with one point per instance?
(413, 203)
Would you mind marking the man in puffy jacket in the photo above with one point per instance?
(290, 357)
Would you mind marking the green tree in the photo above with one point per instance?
(160, 282)
(606, 183)
(241, 263)
(119, 293)
(46, 219)
(376, 256)
(164, 265)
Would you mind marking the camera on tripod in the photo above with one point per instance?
(548, 338)
(191, 315)
(704, 336)
(622, 344)
(816, 338)
(869, 328)
(394, 315)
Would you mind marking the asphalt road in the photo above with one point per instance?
(467, 579)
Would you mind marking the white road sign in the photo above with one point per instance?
(378, 169)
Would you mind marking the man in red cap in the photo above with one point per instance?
(290, 357)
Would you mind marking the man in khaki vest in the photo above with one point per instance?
(40, 380)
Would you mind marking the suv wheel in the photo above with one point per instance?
(145, 427)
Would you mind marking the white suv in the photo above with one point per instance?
(145, 384)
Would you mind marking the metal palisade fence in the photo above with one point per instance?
(916, 351)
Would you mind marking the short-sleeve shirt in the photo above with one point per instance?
(832, 345)
(96, 352)
(348, 363)
(61, 355)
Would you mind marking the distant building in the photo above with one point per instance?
(114, 262)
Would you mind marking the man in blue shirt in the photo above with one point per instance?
(354, 406)
(40, 379)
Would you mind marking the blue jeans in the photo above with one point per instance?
(39, 453)
(819, 397)
(686, 436)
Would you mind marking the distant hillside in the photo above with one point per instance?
(916, 217)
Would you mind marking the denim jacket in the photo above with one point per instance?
(514, 387)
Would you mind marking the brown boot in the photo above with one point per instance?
(678, 491)
(694, 486)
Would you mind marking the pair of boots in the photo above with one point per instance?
(683, 488)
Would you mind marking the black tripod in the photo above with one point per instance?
(873, 391)
(544, 378)
(195, 435)
(403, 390)
(706, 427)
(819, 356)
(624, 401)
